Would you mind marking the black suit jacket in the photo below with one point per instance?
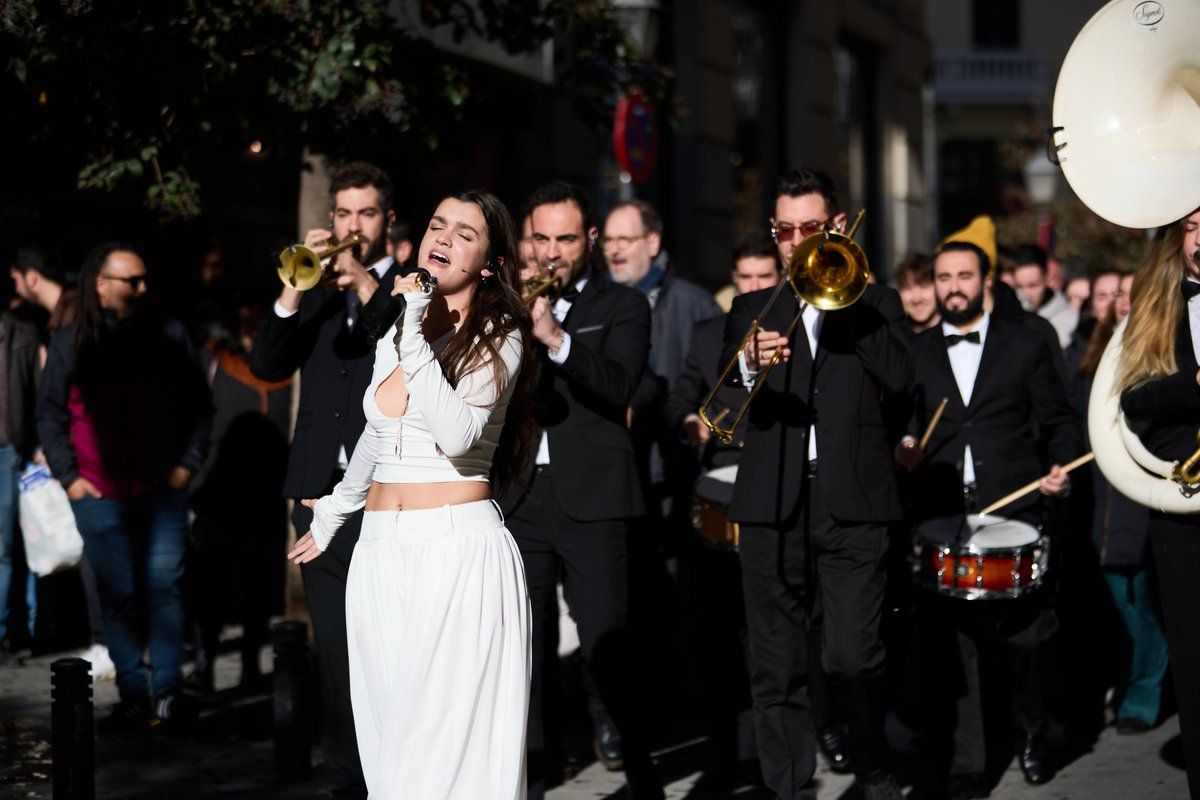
(1166, 412)
(335, 365)
(1018, 402)
(581, 404)
(861, 354)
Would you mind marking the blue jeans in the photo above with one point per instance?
(136, 549)
(1148, 663)
(10, 471)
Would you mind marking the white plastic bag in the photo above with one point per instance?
(52, 542)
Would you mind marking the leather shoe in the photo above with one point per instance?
(1035, 760)
(642, 781)
(833, 747)
(606, 742)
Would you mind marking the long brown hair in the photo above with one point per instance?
(1148, 351)
(496, 310)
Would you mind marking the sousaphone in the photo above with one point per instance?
(1127, 134)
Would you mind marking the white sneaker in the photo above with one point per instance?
(103, 668)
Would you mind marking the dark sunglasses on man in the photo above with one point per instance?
(135, 281)
(785, 231)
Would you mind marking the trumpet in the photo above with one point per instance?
(545, 282)
(828, 270)
(302, 268)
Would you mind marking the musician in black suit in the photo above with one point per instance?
(1158, 375)
(572, 521)
(1005, 398)
(815, 492)
(329, 334)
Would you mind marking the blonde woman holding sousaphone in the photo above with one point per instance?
(437, 611)
(1158, 376)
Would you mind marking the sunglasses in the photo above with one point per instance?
(785, 231)
(134, 281)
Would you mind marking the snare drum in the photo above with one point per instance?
(714, 490)
(993, 558)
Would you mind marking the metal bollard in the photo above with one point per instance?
(293, 733)
(72, 733)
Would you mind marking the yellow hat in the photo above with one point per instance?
(981, 233)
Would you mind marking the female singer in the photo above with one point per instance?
(1158, 375)
(436, 607)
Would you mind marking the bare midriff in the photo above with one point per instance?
(416, 496)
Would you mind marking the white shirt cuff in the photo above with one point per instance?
(564, 350)
(282, 312)
(748, 377)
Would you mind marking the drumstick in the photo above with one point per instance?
(937, 417)
(1029, 487)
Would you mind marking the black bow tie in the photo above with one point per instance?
(954, 338)
(570, 293)
(1190, 289)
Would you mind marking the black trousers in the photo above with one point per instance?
(592, 561)
(1175, 540)
(783, 567)
(325, 589)
(989, 661)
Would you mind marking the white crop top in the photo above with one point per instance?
(447, 433)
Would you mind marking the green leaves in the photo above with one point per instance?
(138, 91)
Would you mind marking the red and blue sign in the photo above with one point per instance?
(635, 136)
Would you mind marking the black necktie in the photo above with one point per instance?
(570, 293)
(1190, 289)
(954, 338)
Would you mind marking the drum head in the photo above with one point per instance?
(716, 486)
(998, 533)
(977, 531)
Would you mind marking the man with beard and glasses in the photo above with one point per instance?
(1007, 405)
(329, 334)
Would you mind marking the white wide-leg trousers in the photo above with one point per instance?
(438, 624)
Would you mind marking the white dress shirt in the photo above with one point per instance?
(964, 363)
(812, 318)
(559, 310)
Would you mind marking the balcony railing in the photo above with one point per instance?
(982, 77)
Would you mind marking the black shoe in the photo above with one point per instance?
(1035, 760)
(833, 747)
(971, 786)
(174, 712)
(642, 780)
(607, 743)
(879, 785)
(126, 716)
(200, 682)
(1128, 726)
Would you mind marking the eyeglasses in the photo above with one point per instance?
(134, 281)
(624, 241)
(785, 231)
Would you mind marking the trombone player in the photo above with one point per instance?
(814, 495)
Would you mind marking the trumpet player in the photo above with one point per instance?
(814, 495)
(573, 519)
(330, 336)
(1157, 376)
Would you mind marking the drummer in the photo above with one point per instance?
(1006, 404)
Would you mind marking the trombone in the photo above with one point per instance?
(302, 268)
(827, 270)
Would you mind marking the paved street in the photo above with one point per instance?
(231, 756)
